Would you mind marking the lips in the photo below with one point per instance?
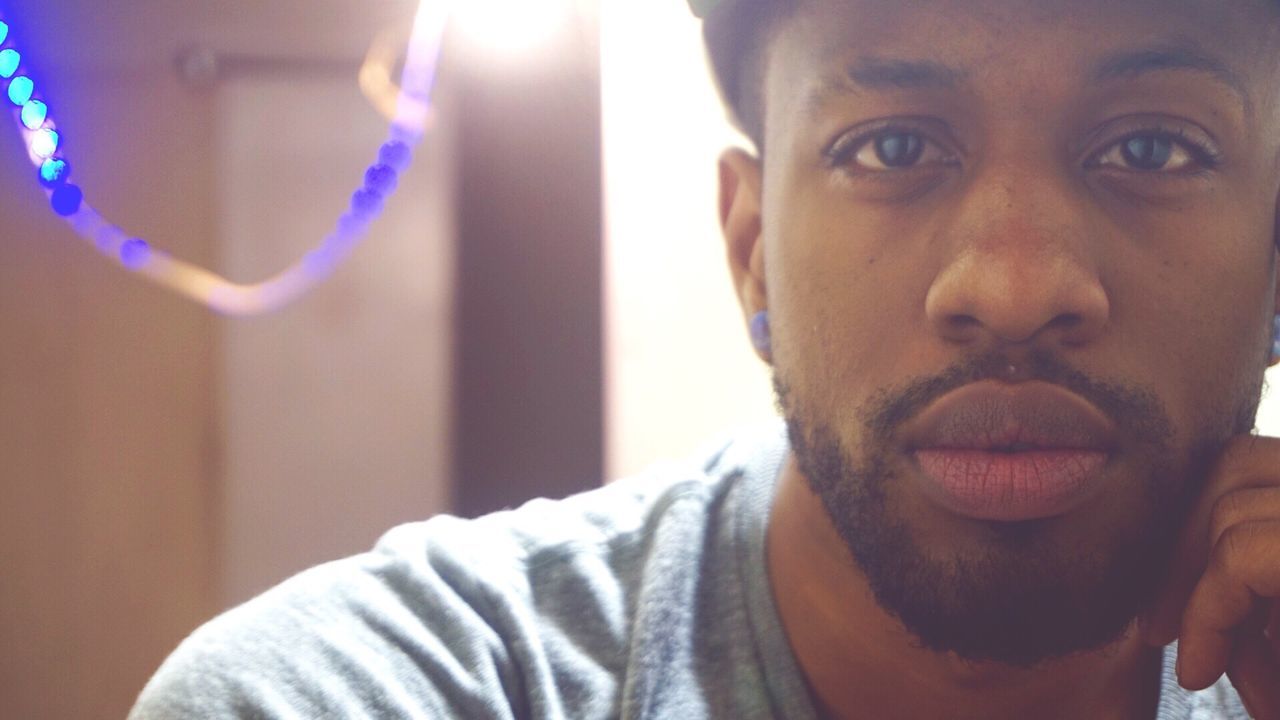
(1010, 451)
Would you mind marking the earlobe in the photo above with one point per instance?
(740, 223)
(1275, 260)
(1275, 341)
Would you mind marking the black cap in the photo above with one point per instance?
(723, 44)
(701, 8)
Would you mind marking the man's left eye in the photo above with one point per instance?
(1149, 152)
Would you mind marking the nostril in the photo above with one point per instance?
(964, 328)
(1067, 321)
(963, 323)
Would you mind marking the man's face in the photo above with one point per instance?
(981, 196)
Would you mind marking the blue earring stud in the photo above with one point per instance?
(762, 336)
(1275, 340)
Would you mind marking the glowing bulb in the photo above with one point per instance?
(20, 90)
(511, 26)
(66, 199)
(135, 253)
(44, 143)
(33, 114)
(396, 155)
(54, 172)
(9, 61)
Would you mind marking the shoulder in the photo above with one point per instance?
(455, 618)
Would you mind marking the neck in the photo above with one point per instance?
(859, 661)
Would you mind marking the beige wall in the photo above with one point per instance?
(158, 463)
(107, 429)
(336, 409)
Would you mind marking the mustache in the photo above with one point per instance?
(1135, 408)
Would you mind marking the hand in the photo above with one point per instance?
(1222, 598)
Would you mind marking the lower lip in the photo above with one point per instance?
(1010, 487)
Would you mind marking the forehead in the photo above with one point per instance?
(982, 22)
(953, 42)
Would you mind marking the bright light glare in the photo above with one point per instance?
(44, 143)
(666, 284)
(511, 26)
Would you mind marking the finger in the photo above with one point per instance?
(1242, 578)
(1255, 672)
(1161, 625)
(1246, 464)
(1242, 506)
(1273, 627)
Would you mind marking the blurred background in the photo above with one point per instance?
(544, 305)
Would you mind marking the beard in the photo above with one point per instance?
(1023, 595)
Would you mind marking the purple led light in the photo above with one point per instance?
(66, 199)
(365, 204)
(321, 262)
(349, 225)
(381, 179)
(135, 253)
(395, 155)
(36, 120)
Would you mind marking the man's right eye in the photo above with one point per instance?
(888, 150)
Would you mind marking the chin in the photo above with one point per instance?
(1014, 593)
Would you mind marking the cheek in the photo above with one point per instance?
(1201, 325)
(844, 305)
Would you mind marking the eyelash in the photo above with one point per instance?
(845, 148)
(1206, 157)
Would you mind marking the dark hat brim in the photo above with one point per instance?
(702, 8)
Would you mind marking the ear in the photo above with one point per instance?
(740, 201)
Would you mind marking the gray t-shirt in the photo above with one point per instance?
(645, 599)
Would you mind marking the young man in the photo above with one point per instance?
(1014, 265)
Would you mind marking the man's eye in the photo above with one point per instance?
(1150, 152)
(890, 150)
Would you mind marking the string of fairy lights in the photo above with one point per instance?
(46, 148)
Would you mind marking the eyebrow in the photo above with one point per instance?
(880, 74)
(1135, 63)
(883, 74)
(875, 73)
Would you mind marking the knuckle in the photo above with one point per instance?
(1228, 511)
(1234, 547)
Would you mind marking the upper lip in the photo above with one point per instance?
(1001, 416)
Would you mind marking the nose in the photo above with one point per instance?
(1021, 268)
